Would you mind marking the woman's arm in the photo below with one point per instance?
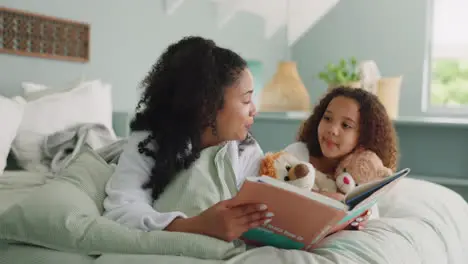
(127, 202)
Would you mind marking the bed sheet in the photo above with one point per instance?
(420, 222)
(27, 254)
(18, 184)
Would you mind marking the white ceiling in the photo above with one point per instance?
(298, 15)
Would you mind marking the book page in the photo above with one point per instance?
(307, 193)
(363, 192)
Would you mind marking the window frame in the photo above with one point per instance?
(426, 106)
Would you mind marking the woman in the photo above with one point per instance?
(197, 95)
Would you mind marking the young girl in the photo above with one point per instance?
(344, 120)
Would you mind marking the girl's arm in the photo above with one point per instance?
(127, 202)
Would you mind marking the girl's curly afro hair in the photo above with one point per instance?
(182, 95)
(377, 132)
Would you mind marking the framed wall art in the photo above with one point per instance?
(30, 34)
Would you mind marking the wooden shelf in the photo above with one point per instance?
(401, 121)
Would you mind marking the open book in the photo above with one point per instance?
(302, 217)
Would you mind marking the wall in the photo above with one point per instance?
(126, 39)
(393, 33)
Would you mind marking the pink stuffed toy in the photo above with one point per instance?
(360, 167)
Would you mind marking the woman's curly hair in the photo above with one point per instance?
(182, 95)
(377, 132)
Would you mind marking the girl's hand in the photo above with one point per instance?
(360, 222)
(223, 220)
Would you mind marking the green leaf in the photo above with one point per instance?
(341, 72)
(343, 64)
(340, 77)
(323, 76)
(354, 77)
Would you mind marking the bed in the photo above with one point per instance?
(50, 219)
(414, 227)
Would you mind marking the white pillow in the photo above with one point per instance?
(29, 87)
(11, 113)
(33, 91)
(89, 102)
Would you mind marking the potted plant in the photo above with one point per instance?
(345, 73)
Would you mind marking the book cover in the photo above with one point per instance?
(302, 217)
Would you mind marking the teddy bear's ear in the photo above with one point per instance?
(385, 172)
(267, 166)
(343, 165)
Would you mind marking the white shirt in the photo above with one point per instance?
(129, 204)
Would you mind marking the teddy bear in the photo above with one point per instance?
(323, 183)
(359, 167)
(286, 167)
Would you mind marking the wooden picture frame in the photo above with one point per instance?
(30, 34)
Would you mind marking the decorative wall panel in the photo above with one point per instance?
(29, 34)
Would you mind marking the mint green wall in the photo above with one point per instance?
(128, 36)
(391, 32)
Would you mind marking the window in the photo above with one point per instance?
(449, 54)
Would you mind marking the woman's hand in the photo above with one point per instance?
(224, 220)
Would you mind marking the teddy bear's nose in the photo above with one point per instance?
(301, 171)
(346, 180)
